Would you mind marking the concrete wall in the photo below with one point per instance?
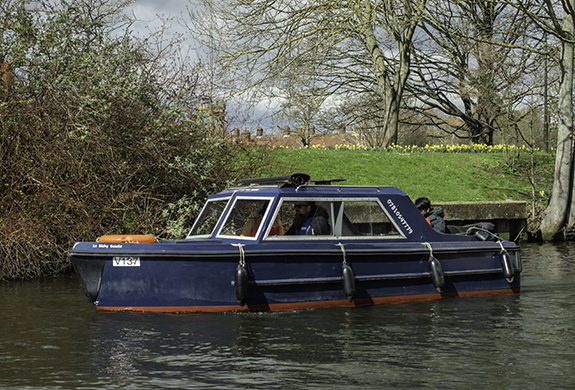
(509, 217)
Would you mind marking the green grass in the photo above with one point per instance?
(438, 176)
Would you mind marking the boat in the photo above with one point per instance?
(353, 246)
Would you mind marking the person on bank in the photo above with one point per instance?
(433, 215)
(309, 219)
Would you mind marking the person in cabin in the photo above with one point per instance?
(433, 215)
(310, 219)
(252, 225)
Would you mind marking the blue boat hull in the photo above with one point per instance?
(294, 280)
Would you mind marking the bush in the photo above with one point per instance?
(97, 137)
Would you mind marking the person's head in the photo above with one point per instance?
(423, 205)
(303, 208)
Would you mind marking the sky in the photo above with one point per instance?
(150, 13)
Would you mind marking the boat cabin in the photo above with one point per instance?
(276, 211)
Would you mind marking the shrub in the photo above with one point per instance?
(97, 137)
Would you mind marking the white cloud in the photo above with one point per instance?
(152, 13)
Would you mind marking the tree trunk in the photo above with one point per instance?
(390, 92)
(386, 90)
(391, 122)
(560, 213)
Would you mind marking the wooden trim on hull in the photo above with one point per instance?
(312, 304)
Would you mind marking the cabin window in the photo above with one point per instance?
(208, 219)
(322, 218)
(306, 218)
(364, 218)
(245, 219)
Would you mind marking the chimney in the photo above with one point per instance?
(246, 135)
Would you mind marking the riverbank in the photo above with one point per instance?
(443, 174)
(440, 176)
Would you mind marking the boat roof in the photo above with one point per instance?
(302, 184)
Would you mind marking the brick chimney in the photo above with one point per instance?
(246, 136)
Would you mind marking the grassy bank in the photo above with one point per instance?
(439, 175)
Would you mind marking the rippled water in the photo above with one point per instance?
(53, 338)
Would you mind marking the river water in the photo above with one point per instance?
(53, 338)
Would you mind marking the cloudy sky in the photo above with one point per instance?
(150, 13)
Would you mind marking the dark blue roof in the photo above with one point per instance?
(312, 190)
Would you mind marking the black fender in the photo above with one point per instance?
(507, 266)
(437, 276)
(241, 284)
(348, 281)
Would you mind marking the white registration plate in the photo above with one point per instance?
(126, 261)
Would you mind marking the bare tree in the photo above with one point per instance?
(352, 47)
(472, 55)
(303, 109)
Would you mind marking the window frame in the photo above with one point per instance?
(228, 214)
(202, 236)
(335, 221)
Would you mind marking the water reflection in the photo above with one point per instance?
(40, 321)
(359, 346)
(53, 338)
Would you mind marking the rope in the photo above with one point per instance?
(519, 234)
(343, 251)
(501, 245)
(428, 245)
(242, 254)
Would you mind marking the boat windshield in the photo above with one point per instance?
(245, 218)
(208, 218)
